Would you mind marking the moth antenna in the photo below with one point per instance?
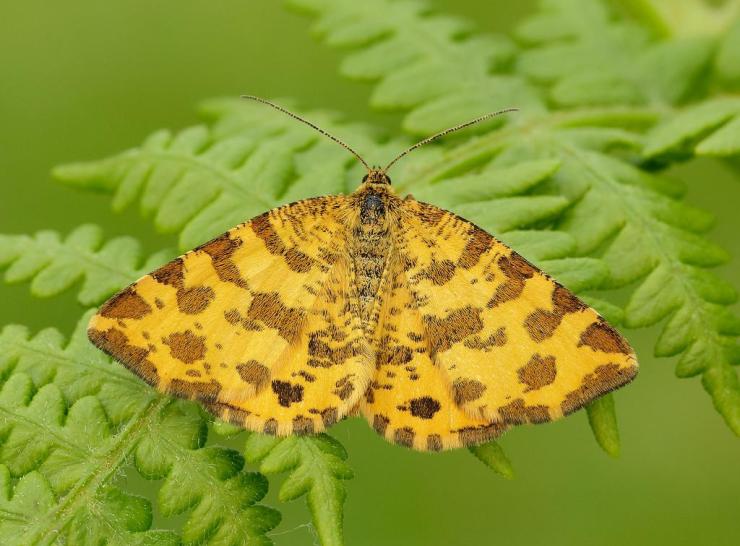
(450, 130)
(316, 127)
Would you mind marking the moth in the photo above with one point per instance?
(436, 332)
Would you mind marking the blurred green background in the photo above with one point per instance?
(85, 79)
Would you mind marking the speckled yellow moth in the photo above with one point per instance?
(436, 332)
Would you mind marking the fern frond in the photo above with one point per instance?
(316, 467)
(711, 128)
(71, 422)
(727, 60)
(587, 56)
(429, 64)
(53, 264)
(687, 18)
(122, 518)
(491, 455)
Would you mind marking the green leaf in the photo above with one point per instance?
(723, 142)
(53, 264)
(424, 62)
(491, 183)
(685, 18)
(603, 420)
(317, 467)
(491, 455)
(727, 63)
(709, 128)
(70, 422)
(114, 514)
(587, 56)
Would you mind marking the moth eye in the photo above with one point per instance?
(388, 179)
(364, 178)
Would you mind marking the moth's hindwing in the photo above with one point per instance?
(409, 401)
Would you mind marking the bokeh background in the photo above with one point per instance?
(83, 79)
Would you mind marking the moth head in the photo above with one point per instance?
(376, 175)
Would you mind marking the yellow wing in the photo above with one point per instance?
(258, 324)
(514, 345)
(409, 401)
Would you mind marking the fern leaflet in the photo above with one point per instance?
(711, 128)
(316, 466)
(72, 422)
(53, 265)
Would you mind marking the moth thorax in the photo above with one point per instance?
(372, 209)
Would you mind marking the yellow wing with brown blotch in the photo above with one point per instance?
(258, 324)
(515, 346)
(409, 400)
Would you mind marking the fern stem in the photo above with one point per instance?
(55, 521)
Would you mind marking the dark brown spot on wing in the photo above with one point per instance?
(496, 339)
(538, 372)
(541, 324)
(232, 316)
(254, 373)
(459, 324)
(221, 250)
(424, 407)
(287, 393)
(263, 229)
(404, 436)
(186, 346)
(202, 390)
(302, 425)
(430, 214)
(434, 442)
(298, 261)
(271, 426)
(324, 356)
(517, 271)
(115, 343)
(478, 243)
(380, 423)
(329, 416)
(605, 378)
(171, 273)
(466, 390)
(602, 337)
(438, 273)
(127, 304)
(517, 412)
(232, 414)
(470, 436)
(268, 308)
(309, 377)
(344, 387)
(192, 301)
(416, 337)
(393, 355)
